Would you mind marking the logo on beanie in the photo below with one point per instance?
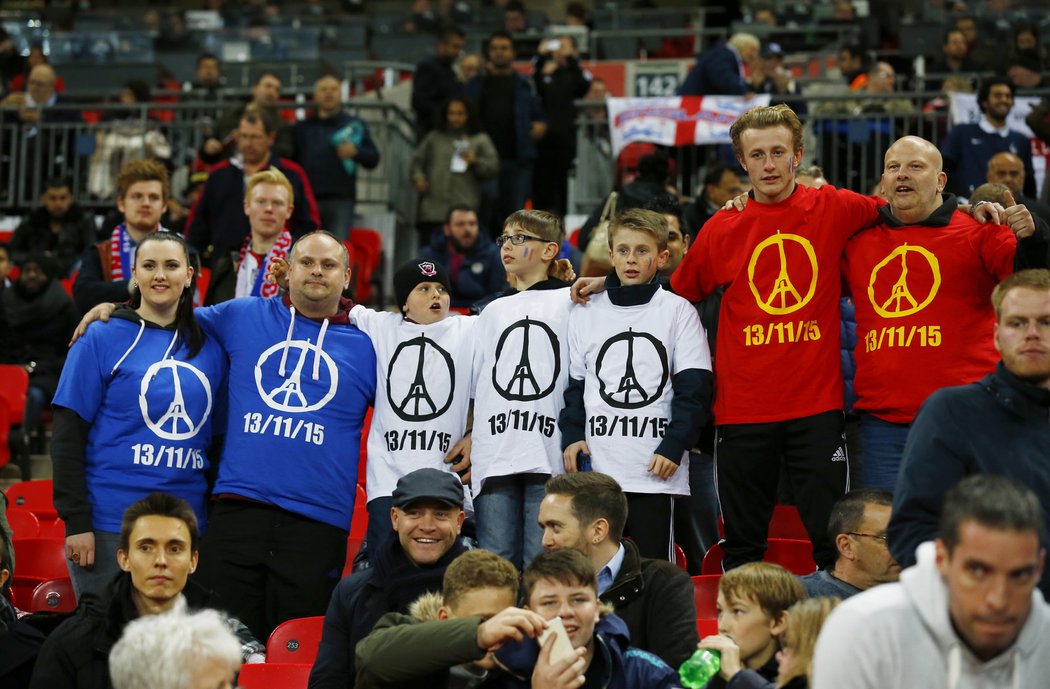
(428, 269)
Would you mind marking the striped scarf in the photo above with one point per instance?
(121, 253)
(251, 276)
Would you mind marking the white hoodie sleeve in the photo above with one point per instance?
(844, 657)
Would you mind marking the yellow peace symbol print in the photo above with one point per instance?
(901, 302)
(784, 297)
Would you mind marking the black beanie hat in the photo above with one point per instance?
(414, 272)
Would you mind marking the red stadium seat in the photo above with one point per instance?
(705, 596)
(40, 559)
(679, 557)
(54, 595)
(274, 676)
(794, 555)
(14, 382)
(707, 627)
(368, 258)
(24, 523)
(786, 523)
(5, 433)
(359, 522)
(34, 496)
(295, 641)
(53, 529)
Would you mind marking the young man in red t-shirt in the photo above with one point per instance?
(778, 396)
(922, 281)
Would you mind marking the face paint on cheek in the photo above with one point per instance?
(526, 253)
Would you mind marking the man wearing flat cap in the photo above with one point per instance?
(427, 515)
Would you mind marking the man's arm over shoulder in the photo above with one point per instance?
(858, 211)
(933, 461)
(434, 645)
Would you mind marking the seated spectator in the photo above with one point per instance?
(129, 134)
(801, 629)
(452, 634)
(1008, 169)
(143, 189)
(753, 601)
(266, 93)
(587, 511)
(19, 642)
(474, 264)
(954, 60)
(770, 76)
(59, 228)
(427, 515)
(450, 165)
(217, 223)
(36, 57)
(721, 183)
(176, 650)
(331, 145)
(37, 319)
(853, 65)
(207, 77)
(158, 552)
(882, 80)
(858, 529)
(668, 206)
(562, 583)
(268, 203)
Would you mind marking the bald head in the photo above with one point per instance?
(1008, 169)
(41, 84)
(913, 178)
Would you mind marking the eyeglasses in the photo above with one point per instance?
(518, 239)
(868, 535)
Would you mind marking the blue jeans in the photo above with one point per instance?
(337, 216)
(96, 579)
(883, 444)
(508, 514)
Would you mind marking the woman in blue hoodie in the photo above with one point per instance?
(133, 411)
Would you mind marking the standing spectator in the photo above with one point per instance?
(58, 228)
(207, 77)
(954, 59)
(266, 93)
(268, 203)
(512, 117)
(37, 318)
(217, 223)
(330, 145)
(994, 426)
(36, 57)
(435, 80)
(969, 147)
(108, 453)
(559, 82)
(143, 189)
(450, 166)
(472, 259)
(719, 70)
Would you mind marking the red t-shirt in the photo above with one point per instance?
(924, 313)
(777, 355)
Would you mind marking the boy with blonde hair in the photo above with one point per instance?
(753, 601)
(520, 371)
(639, 382)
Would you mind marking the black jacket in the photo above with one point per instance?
(34, 235)
(76, 655)
(37, 329)
(998, 425)
(655, 599)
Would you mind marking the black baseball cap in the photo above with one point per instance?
(429, 484)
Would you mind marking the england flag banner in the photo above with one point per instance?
(676, 121)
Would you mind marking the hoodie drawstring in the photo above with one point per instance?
(317, 352)
(954, 666)
(138, 335)
(287, 341)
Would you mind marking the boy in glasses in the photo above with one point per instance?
(639, 388)
(521, 364)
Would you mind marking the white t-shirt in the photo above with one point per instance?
(627, 357)
(521, 366)
(422, 393)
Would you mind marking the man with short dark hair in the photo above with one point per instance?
(997, 425)
(427, 515)
(858, 529)
(968, 147)
(587, 511)
(435, 79)
(266, 94)
(721, 182)
(58, 228)
(471, 258)
(158, 552)
(217, 223)
(967, 615)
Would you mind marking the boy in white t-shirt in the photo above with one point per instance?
(640, 382)
(423, 361)
(520, 370)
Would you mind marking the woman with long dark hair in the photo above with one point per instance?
(450, 165)
(133, 411)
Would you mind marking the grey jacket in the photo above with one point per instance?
(432, 161)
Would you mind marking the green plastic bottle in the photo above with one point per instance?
(696, 672)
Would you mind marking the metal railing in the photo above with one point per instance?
(30, 154)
